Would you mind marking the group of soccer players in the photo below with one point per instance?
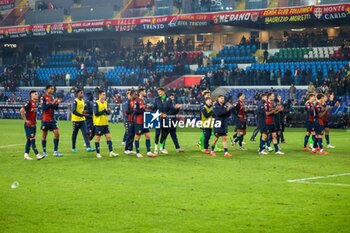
(134, 109)
(90, 122)
(317, 108)
(268, 119)
(48, 123)
(91, 118)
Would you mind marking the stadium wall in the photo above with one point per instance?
(45, 16)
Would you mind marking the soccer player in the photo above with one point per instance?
(201, 147)
(320, 112)
(282, 119)
(269, 125)
(310, 121)
(241, 123)
(78, 120)
(261, 115)
(277, 118)
(158, 106)
(207, 116)
(221, 113)
(139, 109)
(129, 110)
(259, 112)
(328, 102)
(170, 110)
(89, 118)
(28, 112)
(48, 123)
(126, 123)
(101, 112)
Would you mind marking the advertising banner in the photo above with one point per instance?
(309, 14)
(7, 4)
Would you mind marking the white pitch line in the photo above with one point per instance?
(322, 183)
(319, 177)
(12, 145)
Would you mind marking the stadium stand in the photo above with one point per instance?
(236, 54)
(310, 54)
(61, 60)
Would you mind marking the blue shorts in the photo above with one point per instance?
(101, 130)
(49, 126)
(221, 131)
(30, 131)
(140, 130)
(310, 126)
(241, 125)
(319, 129)
(269, 129)
(220, 134)
(278, 127)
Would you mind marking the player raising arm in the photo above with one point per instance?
(320, 112)
(48, 123)
(329, 104)
(269, 127)
(139, 109)
(310, 121)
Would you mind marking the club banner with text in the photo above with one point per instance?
(7, 4)
(312, 14)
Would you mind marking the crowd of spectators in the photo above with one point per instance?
(12, 98)
(337, 81)
(145, 56)
(173, 52)
(12, 77)
(312, 39)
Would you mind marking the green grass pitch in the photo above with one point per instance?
(188, 192)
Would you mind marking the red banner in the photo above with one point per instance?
(15, 32)
(331, 12)
(240, 16)
(7, 4)
(311, 14)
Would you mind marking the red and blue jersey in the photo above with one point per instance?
(319, 110)
(268, 108)
(139, 109)
(48, 108)
(239, 111)
(30, 108)
(129, 110)
(310, 110)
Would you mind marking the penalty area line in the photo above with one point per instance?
(308, 180)
(323, 183)
(318, 177)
